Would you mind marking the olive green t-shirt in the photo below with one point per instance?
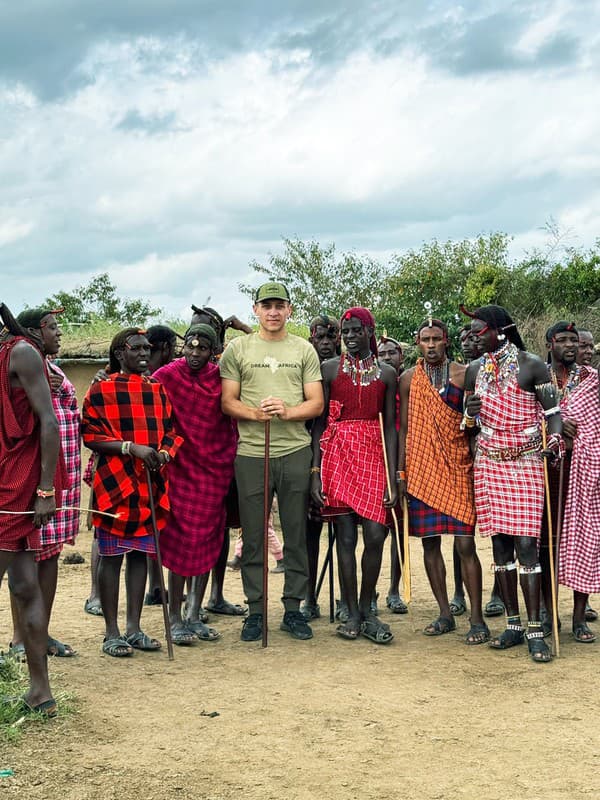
(280, 369)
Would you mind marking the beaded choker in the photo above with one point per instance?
(438, 374)
(362, 371)
(499, 367)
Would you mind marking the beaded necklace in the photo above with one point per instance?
(568, 382)
(498, 368)
(362, 371)
(438, 374)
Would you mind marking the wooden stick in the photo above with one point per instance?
(555, 640)
(389, 486)
(559, 520)
(161, 577)
(72, 508)
(406, 589)
(266, 514)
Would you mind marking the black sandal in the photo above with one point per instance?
(512, 636)
(479, 633)
(538, 647)
(583, 634)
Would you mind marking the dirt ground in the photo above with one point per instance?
(425, 718)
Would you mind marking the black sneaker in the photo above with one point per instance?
(293, 622)
(252, 628)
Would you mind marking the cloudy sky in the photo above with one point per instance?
(170, 142)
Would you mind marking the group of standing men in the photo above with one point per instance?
(350, 435)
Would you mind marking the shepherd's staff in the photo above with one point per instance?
(555, 640)
(161, 577)
(266, 514)
(389, 485)
(72, 508)
(559, 518)
(406, 566)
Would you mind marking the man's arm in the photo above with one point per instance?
(233, 406)
(27, 366)
(390, 434)
(309, 408)
(405, 381)
(329, 371)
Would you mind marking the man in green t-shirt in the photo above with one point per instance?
(273, 375)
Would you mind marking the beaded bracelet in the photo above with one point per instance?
(125, 448)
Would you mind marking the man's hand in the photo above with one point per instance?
(56, 382)
(316, 490)
(473, 406)
(569, 428)
(274, 407)
(390, 499)
(148, 455)
(44, 508)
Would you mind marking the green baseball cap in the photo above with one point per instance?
(272, 291)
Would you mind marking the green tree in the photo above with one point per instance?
(320, 280)
(98, 300)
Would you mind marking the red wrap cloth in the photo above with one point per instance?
(131, 408)
(20, 454)
(352, 463)
(201, 474)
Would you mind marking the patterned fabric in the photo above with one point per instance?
(110, 545)
(509, 494)
(439, 467)
(64, 526)
(352, 464)
(201, 474)
(579, 563)
(20, 454)
(425, 521)
(129, 408)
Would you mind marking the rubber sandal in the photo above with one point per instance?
(310, 611)
(60, 649)
(396, 604)
(118, 647)
(479, 632)
(376, 631)
(181, 634)
(457, 606)
(511, 637)
(538, 647)
(93, 607)
(202, 631)
(141, 641)
(17, 652)
(346, 632)
(47, 709)
(590, 614)
(583, 634)
(226, 608)
(440, 626)
(494, 608)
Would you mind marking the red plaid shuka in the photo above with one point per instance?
(131, 408)
(201, 474)
(579, 564)
(509, 494)
(20, 459)
(352, 464)
(64, 526)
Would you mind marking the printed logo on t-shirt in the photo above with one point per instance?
(270, 362)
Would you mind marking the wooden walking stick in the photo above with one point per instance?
(161, 577)
(266, 513)
(555, 640)
(559, 519)
(389, 487)
(406, 590)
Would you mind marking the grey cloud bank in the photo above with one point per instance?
(171, 143)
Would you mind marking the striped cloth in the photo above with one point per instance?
(201, 474)
(509, 494)
(64, 526)
(439, 467)
(579, 562)
(110, 545)
(131, 408)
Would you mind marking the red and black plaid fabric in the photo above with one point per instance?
(20, 455)
(579, 564)
(201, 474)
(130, 408)
(64, 526)
(111, 545)
(509, 494)
(352, 463)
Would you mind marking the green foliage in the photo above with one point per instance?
(98, 300)
(320, 281)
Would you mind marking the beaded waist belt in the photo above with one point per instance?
(510, 453)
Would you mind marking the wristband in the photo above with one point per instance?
(125, 448)
(166, 455)
(400, 475)
(45, 492)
